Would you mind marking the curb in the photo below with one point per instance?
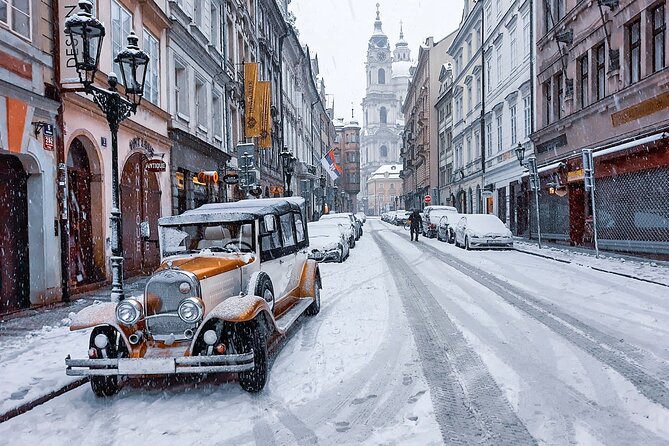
(41, 400)
(629, 276)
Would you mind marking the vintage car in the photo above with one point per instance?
(233, 278)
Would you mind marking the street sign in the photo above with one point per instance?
(156, 165)
(231, 178)
(208, 176)
(48, 137)
(588, 171)
(428, 199)
(246, 154)
(249, 178)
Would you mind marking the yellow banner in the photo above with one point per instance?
(264, 90)
(251, 110)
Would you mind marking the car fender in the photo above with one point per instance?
(102, 314)
(310, 276)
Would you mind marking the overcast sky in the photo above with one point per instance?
(338, 31)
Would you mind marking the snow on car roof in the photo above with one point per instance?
(243, 210)
(484, 222)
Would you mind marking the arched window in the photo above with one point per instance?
(383, 151)
(382, 76)
(383, 115)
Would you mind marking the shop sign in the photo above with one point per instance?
(48, 137)
(156, 165)
(231, 178)
(141, 144)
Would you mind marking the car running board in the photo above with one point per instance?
(289, 317)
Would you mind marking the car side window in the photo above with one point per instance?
(286, 222)
(299, 228)
(270, 243)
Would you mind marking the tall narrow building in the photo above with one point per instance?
(388, 75)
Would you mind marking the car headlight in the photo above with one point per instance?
(190, 310)
(129, 311)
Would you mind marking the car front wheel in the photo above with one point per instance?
(106, 386)
(262, 287)
(251, 339)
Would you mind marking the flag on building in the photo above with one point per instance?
(251, 96)
(330, 164)
(264, 105)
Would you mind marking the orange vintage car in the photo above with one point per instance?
(233, 278)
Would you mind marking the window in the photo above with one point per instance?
(383, 151)
(470, 54)
(16, 15)
(488, 73)
(383, 115)
(560, 96)
(527, 110)
(152, 85)
(214, 25)
(499, 8)
(659, 31)
(499, 132)
(488, 137)
(287, 235)
(299, 227)
(634, 61)
(513, 49)
(197, 12)
(499, 64)
(201, 104)
(601, 71)
(469, 149)
(526, 36)
(477, 144)
(548, 102)
(217, 109)
(121, 27)
(382, 76)
(469, 98)
(488, 15)
(181, 88)
(583, 80)
(514, 132)
(478, 90)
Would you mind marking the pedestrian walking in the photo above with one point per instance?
(416, 223)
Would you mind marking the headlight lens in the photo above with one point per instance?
(190, 310)
(129, 311)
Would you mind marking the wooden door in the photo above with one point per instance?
(14, 260)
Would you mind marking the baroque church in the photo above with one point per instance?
(388, 76)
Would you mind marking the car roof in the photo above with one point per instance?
(243, 210)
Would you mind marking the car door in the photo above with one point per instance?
(460, 231)
(280, 267)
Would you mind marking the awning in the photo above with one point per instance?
(628, 145)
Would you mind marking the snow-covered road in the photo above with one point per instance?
(417, 343)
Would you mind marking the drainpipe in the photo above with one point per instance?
(483, 90)
(61, 181)
(532, 46)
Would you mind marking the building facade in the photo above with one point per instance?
(601, 84)
(30, 233)
(347, 154)
(387, 80)
(385, 189)
(444, 112)
(420, 152)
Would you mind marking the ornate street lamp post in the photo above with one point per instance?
(288, 162)
(86, 34)
(334, 198)
(520, 153)
(323, 184)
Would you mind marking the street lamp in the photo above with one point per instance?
(520, 153)
(288, 163)
(334, 198)
(86, 34)
(323, 184)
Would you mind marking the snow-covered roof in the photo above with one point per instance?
(243, 210)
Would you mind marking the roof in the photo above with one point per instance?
(243, 210)
(393, 171)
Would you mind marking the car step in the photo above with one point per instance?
(290, 316)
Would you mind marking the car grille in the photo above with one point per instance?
(162, 299)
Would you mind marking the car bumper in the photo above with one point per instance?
(328, 256)
(490, 243)
(159, 366)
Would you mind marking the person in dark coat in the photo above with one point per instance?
(416, 223)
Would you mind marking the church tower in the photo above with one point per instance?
(383, 121)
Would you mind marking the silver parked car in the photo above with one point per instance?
(482, 231)
(327, 242)
(432, 216)
(446, 227)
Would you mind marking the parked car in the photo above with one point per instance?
(233, 278)
(432, 216)
(342, 224)
(327, 242)
(446, 227)
(482, 231)
(362, 217)
(346, 216)
(401, 217)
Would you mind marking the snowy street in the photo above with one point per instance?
(416, 343)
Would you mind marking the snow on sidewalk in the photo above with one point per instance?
(650, 270)
(32, 366)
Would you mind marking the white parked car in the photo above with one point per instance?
(342, 217)
(446, 227)
(327, 242)
(362, 217)
(482, 231)
(344, 225)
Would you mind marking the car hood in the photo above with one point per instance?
(208, 266)
(323, 242)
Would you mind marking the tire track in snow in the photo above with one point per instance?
(469, 406)
(615, 354)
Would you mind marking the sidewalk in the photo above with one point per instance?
(33, 347)
(26, 321)
(639, 268)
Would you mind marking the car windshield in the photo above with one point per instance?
(208, 237)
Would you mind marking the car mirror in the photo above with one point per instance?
(269, 223)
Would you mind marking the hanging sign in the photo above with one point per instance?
(156, 165)
(48, 137)
(231, 178)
